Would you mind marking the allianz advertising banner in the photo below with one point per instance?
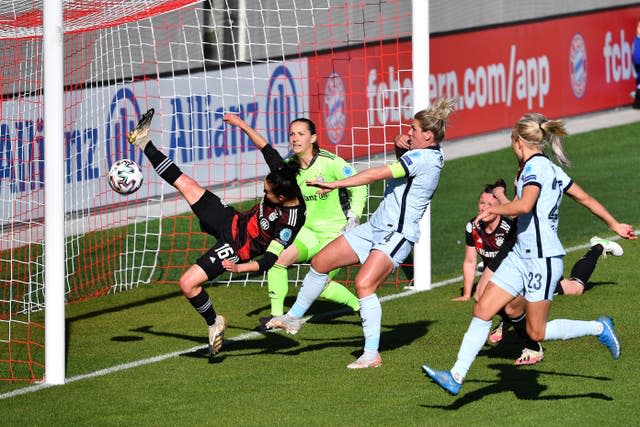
(188, 126)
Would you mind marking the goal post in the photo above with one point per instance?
(420, 72)
(54, 256)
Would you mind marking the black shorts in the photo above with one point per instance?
(211, 261)
(215, 219)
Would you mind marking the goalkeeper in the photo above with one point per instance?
(327, 214)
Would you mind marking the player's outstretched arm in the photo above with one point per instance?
(243, 267)
(516, 207)
(468, 273)
(367, 176)
(271, 156)
(234, 120)
(625, 231)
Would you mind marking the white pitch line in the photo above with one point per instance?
(242, 337)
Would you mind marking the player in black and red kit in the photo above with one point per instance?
(487, 241)
(266, 229)
(493, 240)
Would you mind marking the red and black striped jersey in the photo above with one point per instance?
(488, 245)
(253, 230)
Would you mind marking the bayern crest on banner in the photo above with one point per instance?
(335, 108)
(578, 66)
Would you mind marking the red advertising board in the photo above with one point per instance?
(559, 67)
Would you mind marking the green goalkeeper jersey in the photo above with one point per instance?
(326, 213)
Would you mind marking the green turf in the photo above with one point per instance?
(276, 379)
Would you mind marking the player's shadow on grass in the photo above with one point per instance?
(510, 347)
(96, 313)
(123, 307)
(278, 342)
(319, 307)
(391, 337)
(259, 344)
(523, 383)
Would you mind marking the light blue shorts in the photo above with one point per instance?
(535, 278)
(364, 238)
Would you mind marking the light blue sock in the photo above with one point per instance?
(312, 287)
(471, 345)
(566, 329)
(371, 313)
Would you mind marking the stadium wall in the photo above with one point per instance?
(454, 16)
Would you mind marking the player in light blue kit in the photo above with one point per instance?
(534, 265)
(384, 242)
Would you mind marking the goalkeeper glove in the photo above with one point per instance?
(352, 221)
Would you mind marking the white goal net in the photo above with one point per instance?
(344, 64)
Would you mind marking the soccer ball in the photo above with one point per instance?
(125, 176)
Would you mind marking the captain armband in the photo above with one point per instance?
(397, 169)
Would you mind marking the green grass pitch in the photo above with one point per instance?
(277, 379)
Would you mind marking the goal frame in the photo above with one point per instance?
(54, 268)
(54, 231)
(420, 72)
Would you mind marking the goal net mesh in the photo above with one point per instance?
(344, 64)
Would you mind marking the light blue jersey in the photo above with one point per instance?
(538, 230)
(406, 198)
